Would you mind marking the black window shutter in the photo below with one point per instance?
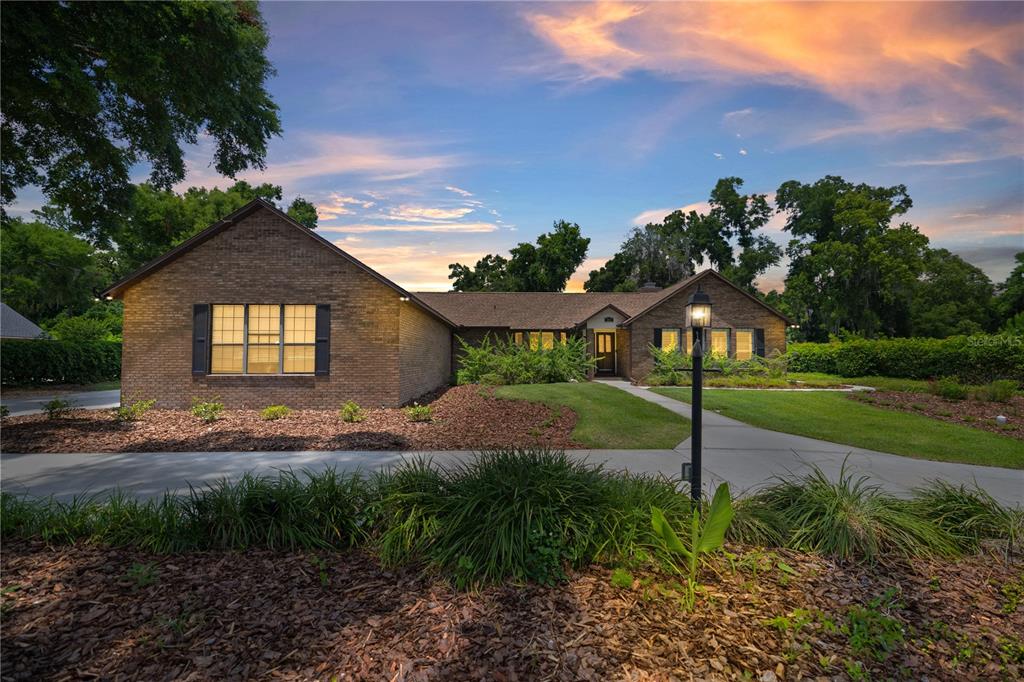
(323, 339)
(657, 338)
(759, 342)
(200, 338)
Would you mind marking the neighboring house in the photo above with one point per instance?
(259, 310)
(14, 325)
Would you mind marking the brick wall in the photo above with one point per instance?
(424, 352)
(263, 259)
(730, 309)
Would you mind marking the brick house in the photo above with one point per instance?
(259, 310)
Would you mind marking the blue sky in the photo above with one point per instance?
(429, 133)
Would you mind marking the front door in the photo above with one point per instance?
(604, 351)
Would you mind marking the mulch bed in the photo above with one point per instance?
(76, 613)
(464, 417)
(977, 414)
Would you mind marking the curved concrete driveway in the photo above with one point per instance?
(748, 457)
(743, 455)
(91, 400)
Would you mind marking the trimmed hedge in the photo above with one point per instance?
(33, 362)
(972, 359)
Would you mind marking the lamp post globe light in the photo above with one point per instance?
(698, 317)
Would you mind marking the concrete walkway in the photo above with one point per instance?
(748, 457)
(92, 400)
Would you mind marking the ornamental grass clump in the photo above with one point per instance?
(520, 514)
(970, 515)
(851, 519)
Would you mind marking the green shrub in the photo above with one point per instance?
(851, 519)
(207, 411)
(501, 362)
(351, 412)
(999, 391)
(134, 411)
(949, 388)
(56, 408)
(4, 411)
(34, 362)
(273, 412)
(971, 359)
(419, 413)
(80, 329)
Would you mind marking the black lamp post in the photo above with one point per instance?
(698, 316)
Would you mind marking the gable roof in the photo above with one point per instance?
(14, 325)
(668, 292)
(115, 290)
(556, 310)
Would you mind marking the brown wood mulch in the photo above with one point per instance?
(77, 613)
(464, 417)
(977, 414)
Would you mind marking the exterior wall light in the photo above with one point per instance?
(403, 298)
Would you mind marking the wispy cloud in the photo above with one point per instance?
(459, 191)
(950, 160)
(900, 66)
(743, 152)
(427, 214)
(336, 205)
(412, 227)
(318, 155)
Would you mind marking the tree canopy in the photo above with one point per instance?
(546, 266)
(89, 90)
(47, 271)
(725, 238)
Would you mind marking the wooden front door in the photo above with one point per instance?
(604, 351)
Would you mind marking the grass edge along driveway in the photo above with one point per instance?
(607, 417)
(834, 417)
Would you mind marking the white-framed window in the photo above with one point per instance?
(744, 344)
(720, 341)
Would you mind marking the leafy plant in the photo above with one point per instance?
(999, 391)
(502, 361)
(950, 389)
(56, 408)
(134, 411)
(141, 575)
(208, 411)
(43, 361)
(622, 578)
(705, 537)
(419, 413)
(274, 412)
(351, 412)
(871, 631)
(4, 411)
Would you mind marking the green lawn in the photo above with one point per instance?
(607, 417)
(881, 383)
(836, 418)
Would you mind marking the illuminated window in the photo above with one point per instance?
(563, 337)
(670, 339)
(688, 334)
(744, 344)
(720, 341)
(547, 340)
(534, 340)
(228, 337)
(299, 339)
(518, 338)
(263, 339)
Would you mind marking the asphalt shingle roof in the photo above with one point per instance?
(537, 310)
(14, 325)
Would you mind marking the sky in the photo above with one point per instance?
(430, 133)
